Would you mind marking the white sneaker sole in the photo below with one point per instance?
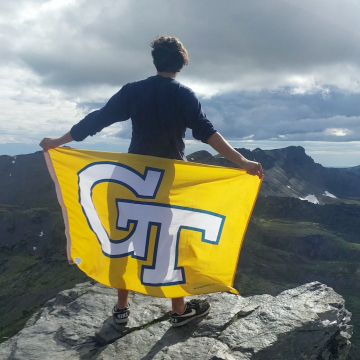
(121, 321)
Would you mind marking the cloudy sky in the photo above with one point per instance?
(269, 74)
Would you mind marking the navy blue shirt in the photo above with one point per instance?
(160, 109)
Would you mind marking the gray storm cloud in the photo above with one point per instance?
(278, 69)
(283, 116)
(253, 43)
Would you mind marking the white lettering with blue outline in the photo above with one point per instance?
(169, 221)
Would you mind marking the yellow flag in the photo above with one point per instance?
(162, 227)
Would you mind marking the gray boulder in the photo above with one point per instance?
(308, 322)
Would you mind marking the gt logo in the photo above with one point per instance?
(169, 221)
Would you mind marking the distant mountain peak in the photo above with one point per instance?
(291, 172)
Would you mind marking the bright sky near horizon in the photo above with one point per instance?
(269, 74)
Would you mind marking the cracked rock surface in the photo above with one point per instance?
(308, 322)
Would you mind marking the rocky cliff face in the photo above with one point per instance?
(308, 322)
(291, 172)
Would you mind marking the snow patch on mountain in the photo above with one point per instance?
(310, 198)
(329, 195)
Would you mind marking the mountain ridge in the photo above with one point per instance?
(291, 172)
(353, 169)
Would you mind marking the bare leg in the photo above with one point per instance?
(178, 305)
(122, 298)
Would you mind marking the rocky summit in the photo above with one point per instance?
(308, 322)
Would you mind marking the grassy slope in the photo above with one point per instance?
(279, 254)
(28, 285)
(28, 280)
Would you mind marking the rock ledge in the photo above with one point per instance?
(308, 322)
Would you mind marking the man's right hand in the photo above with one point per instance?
(218, 143)
(253, 168)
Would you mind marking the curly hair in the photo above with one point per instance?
(169, 54)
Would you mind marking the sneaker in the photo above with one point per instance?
(193, 310)
(121, 316)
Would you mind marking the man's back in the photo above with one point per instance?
(160, 109)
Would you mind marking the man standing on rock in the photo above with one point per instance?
(160, 109)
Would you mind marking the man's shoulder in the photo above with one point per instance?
(182, 90)
(185, 88)
(138, 82)
(186, 93)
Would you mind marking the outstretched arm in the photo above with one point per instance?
(116, 109)
(218, 143)
(49, 143)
